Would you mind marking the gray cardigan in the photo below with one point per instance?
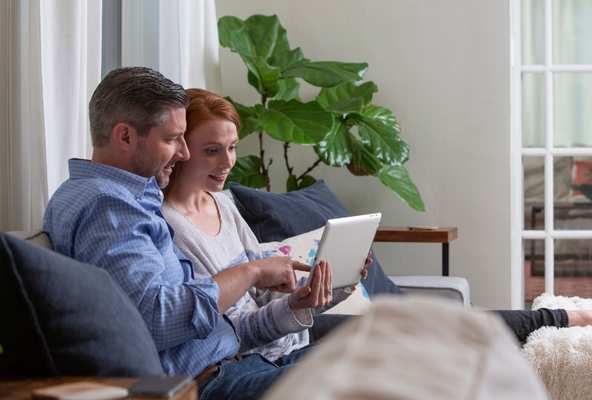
(264, 322)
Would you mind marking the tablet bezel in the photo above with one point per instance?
(345, 244)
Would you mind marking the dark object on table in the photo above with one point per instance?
(159, 386)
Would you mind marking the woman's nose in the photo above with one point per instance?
(228, 159)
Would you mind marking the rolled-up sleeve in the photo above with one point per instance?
(176, 306)
(175, 314)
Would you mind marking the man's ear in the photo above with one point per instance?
(124, 136)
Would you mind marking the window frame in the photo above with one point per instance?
(549, 234)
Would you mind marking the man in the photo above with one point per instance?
(108, 214)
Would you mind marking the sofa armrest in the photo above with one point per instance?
(450, 287)
(37, 237)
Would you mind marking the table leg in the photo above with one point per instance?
(445, 257)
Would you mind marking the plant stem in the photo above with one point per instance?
(264, 168)
(288, 167)
(313, 166)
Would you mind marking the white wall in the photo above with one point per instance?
(443, 68)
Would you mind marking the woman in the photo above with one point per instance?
(211, 232)
(209, 229)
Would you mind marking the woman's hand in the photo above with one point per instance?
(318, 291)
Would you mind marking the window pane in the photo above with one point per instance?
(573, 268)
(534, 269)
(573, 191)
(572, 181)
(533, 31)
(573, 107)
(534, 192)
(533, 110)
(572, 32)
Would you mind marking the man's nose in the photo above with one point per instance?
(182, 150)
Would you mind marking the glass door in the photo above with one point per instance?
(551, 149)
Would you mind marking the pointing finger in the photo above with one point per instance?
(300, 266)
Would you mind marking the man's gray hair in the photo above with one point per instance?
(138, 96)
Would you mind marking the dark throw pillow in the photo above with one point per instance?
(63, 317)
(277, 216)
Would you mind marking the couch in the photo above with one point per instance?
(68, 332)
(65, 318)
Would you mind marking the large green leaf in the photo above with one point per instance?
(255, 82)
(268, 35)
(289, 89)
(284, 59)
(347, 97)
(396, 178)
(258, 36)
(296, 122)
(247, 171)
(325, 73)
(233, 34)
(382, 114)
(335, 148)
(364, 161)
(382, 139)
(263, 77)
(263, 45)
(248, 118)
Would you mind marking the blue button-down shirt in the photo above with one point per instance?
(111, 218)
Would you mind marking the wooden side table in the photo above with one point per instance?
(443, 235)
(21, 389)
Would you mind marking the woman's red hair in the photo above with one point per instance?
(204, 106)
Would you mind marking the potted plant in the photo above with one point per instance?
(342, 124)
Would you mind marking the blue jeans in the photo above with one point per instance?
(248, 378)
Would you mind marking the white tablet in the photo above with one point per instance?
(345, 245)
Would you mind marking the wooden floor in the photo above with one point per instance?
(564, 286)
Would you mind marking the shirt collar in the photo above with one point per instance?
(87, 169)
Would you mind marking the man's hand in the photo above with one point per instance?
(364, 271)
(367, 265)
(317, 293)
(277, 273)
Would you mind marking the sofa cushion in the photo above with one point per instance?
(38, 237)
(63, 317)
(277, 216)
(24, 350)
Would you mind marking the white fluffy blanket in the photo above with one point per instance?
(562, 357)
(568, 303)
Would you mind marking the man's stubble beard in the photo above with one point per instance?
(141, 163)
(162, 179)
